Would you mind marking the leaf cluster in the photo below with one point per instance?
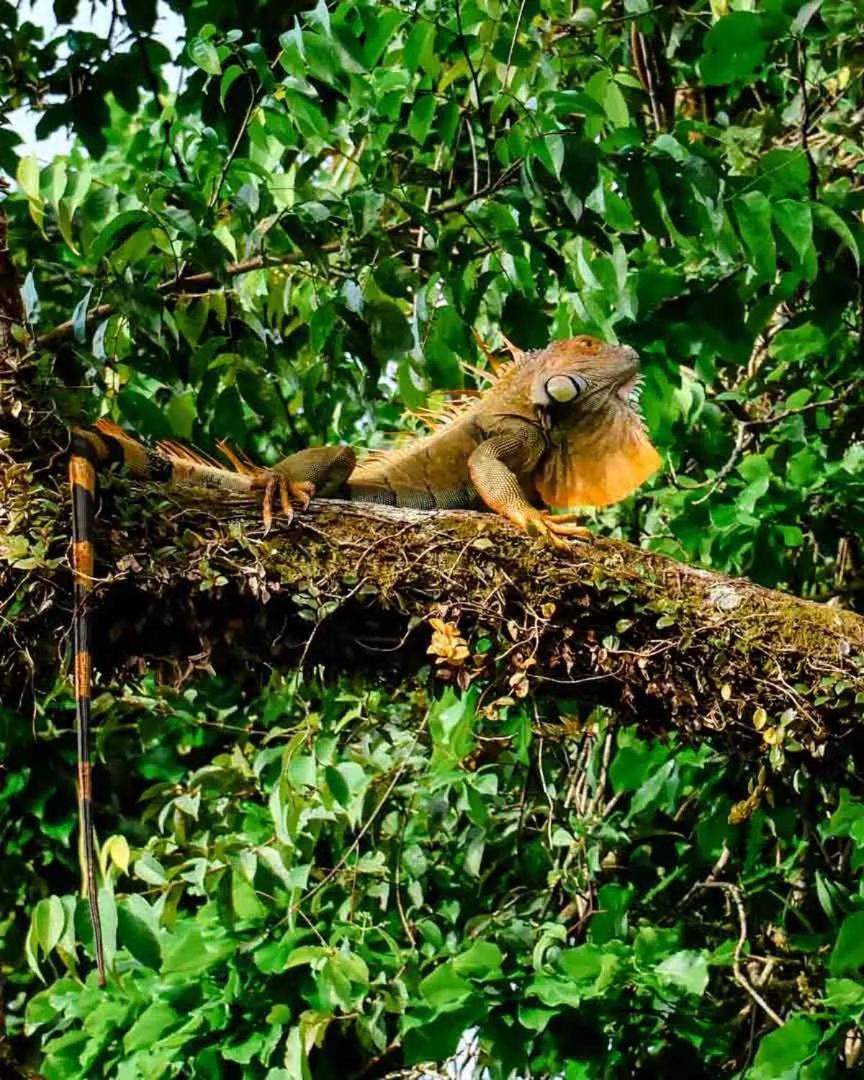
(325, 879)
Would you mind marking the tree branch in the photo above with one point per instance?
(354, 585)
(195, 282)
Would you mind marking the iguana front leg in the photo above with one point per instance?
(491, 468)
(318, 470)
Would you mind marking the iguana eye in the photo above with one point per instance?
(564, 388)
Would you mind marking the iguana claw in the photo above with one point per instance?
(300, 491)
(554, 528)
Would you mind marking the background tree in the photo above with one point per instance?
(344, 871)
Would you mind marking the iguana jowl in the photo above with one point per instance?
(557, 428)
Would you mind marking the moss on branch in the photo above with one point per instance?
(186, 582)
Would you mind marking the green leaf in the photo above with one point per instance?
(338, 786)
(310, 120)
(204, 55)
(30, 299)
(687, 970)
(44, 1007)
(389, 329)
(783, 1053)
(794, 219)
(652, 943)
(231, 76)
(848, 813)
(27, 176)
(798, 343)
(296, 1059)
(48, 921)
(805, 14)
(652, 789)
(792, 535)
(550, 150)
(150, 1026)
(79, 316)
(381, 34)
(57, 182)
(228, 416)
(633, 763)
(190, 315)
(64, 224)
(842, 993)
(823, 894)
(292, 45)
(847, 956)
(191, 953)
(436, 1038)
(320, 17)
(138, 937)
(421, 117)
(734, 48)
(295, 878)
(182, 413)
(482, 961)
(445, 989)
(582, 962)
(830, 219)
(115, 232)
(451, 721)
(615, 105)
(420, 47)
(149, 870)
(784, 172)
(753, 212)
(144, 416)
(306, 954)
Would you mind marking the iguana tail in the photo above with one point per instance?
(87, 450)
(170, 463)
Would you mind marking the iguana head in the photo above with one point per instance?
(583, 393)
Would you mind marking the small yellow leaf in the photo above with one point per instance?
(116, 848)
(726, 691)
(760, 718)
(447, 643)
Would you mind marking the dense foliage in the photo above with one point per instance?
(331, 879)
(322, 879)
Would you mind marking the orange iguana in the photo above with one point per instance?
(558, 427)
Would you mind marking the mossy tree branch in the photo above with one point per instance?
(195, 583)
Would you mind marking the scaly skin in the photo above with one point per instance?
(518, 447)
(556, 428)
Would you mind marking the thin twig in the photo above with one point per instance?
(813, 178)
(232, 153)
(735, 892)
(487, 138)
(201, 282)
(153, 80)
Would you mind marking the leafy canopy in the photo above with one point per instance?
(295, 244)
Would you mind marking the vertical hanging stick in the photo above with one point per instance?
(82, 481)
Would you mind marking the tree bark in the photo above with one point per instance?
(192, 584)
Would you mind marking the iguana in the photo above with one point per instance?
(558, 427)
